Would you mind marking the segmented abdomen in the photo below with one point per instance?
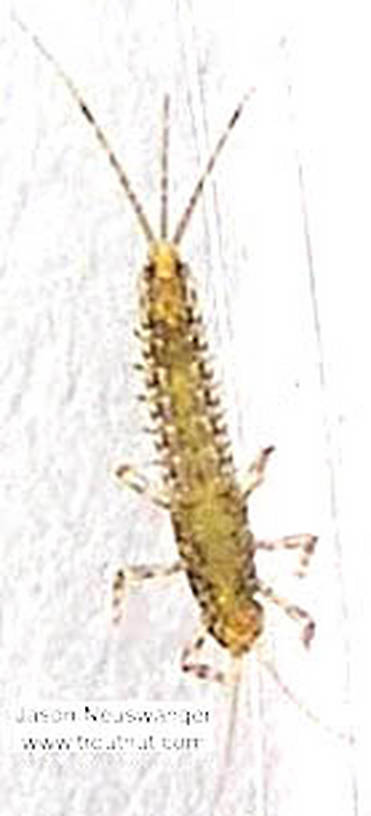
(207, 506)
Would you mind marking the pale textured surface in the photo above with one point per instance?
(70, 256)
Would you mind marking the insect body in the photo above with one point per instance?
(207, 506)
(207, 502)
(206, 499)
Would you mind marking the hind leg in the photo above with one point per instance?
(129, 576)
(304, 542)
(190, 660)
(294, 612)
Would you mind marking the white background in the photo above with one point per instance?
(292, 352)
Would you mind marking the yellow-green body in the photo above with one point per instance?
(208, 508)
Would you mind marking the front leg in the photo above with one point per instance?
(256, 471)
(127, 476)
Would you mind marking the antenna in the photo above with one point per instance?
(89, 116)
(184, 221)
(165, 169)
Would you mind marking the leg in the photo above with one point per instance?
(135, 575)
(190, 660)
(294, 612)
(304, 542)
(127, 476)
(255, 473)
